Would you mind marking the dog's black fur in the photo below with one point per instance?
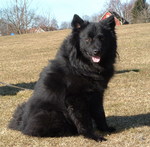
(68, 96)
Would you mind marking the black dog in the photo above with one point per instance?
(68, 96)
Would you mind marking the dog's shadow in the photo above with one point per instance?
(122, 123)
(126, 71)
(8, 90)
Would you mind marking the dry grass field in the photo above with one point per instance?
(127, 100)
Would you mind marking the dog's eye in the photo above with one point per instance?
(88, 40)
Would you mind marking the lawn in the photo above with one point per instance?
(127, 100)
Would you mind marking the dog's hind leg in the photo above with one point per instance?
(16, 120)
(47, 124)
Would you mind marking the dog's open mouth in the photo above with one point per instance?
(96, 59)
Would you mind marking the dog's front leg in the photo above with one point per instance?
(79, 113)
(98, 113)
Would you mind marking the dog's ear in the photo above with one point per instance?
(110, 22)
(77, 22)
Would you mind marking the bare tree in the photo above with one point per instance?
(3, 27)
(54, 24)
(124, 9)
(19, 15)
(46, 22)
(65, 25)
(127, 10)
(42, 22)
(3, 24)
(115, 5)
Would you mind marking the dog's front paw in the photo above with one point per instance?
(97, 138)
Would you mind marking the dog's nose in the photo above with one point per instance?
(96, 51)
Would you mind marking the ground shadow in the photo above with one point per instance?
(126, 122)
(125, 71)
(7, 90)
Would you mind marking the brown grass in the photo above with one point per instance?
(128, 110)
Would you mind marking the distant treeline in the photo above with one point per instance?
(19, 18)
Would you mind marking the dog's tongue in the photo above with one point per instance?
(96, 59)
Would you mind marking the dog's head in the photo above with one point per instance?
(96, 41)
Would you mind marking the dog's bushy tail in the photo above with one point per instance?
(16, 120)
